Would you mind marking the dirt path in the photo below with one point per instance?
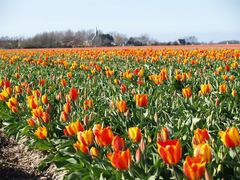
(17, 162)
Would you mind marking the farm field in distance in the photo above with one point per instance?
(151, 112)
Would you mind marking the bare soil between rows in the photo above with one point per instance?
(17, 162)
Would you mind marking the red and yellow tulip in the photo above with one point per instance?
(120, 159)
(194, 167)
(230, 137)
(134, 133)
(170, 151)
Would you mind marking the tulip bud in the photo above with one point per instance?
(142, 145)
(138, 155)
(217, 103)
(85, 120)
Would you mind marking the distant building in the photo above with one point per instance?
(181, 41)
(99, 39)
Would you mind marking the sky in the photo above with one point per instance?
(163, 20)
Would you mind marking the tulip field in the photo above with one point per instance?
(126, 113)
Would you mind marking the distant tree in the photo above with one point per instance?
(191, 40)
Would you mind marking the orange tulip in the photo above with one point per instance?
(141, 100)
(118, 143)
(120, 159)
(18, 89)
(103, 136)
(121, 106)
(41, 82)
(38, 112)
(134, 134)
(85, 137)
(94, 152)
(67, 108)
(73, 93)
(12, 102)
(187, 92)
(44, 99)
(79, 146)
(4, 95)
(32, 102)
(63, 82)
(45, 117)
(234, 93)
(170, 151)
(163, 135)
(73, 128)
(194, 167)
(36, 93)
(203, 150)
(223, 88)
(200, 136)
(31, 122)
(205, 89)
(41, 132)
(87, 104)
(64, 116)
(123, 88)
(232, 77)
(230, 137)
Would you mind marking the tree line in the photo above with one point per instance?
(86, 38)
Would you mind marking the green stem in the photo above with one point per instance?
(174, 173)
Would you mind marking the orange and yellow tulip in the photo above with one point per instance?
(230, 137)
(73, 128)
(205, 89)
(38, 112)
(32, 102)
(103, 136)
(41, 132)
(94, 152)
(87, 104)
(79, 146)
(234, 93)
(200, 136)
(194, 167)
(31, 122)
(141, 100)
(187, 92)
(85, 137)
(121, 106)
(120, 159)
(63, 116)
(134, 133)
(67, 108)
(203, 150)
(44, 99)
(170, 151)
(223, 88)
(163, 135)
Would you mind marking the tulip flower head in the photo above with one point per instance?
(118, 143)
(200, 136)
(203, 150)
(230, 137)
(134, 133)
(194, 167)
(170, 151)
(103, 136)
(141, 100)
(120, 159)
(121, 106)
(41, 132)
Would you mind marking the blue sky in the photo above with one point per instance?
(161, 19)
